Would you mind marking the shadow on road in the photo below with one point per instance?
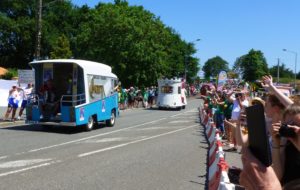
(50, 129)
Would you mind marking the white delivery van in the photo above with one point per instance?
(171, 94)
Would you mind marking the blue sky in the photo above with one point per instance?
(230, 28)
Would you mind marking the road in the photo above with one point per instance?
(147, 149)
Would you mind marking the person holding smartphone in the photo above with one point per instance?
(286, 157)
(239, 103)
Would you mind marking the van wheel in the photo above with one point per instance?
(183, 107)
(111, 122)
(90, 124)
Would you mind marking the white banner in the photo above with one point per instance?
(26, 76)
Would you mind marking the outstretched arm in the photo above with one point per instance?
(268, 84)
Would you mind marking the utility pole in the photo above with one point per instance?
(278, 62)
(37, 53)
(296, 54)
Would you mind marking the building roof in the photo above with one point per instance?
(3, 71)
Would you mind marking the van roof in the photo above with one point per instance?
(89, 67)
(172, 80)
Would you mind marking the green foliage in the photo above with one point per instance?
(253, 65)
(7, 76)
(12, 72)
(61, 49)
(17, 29)
(138, 46)
(232, 75)
(237, 67)
(283, 71)
(214, 66)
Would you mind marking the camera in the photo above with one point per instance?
(285, 131)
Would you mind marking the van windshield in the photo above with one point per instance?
(166, 89)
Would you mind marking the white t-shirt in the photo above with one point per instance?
(26, 93)
(236, 110)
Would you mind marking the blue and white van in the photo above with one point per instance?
(83, 94)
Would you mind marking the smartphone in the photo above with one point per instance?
(257, 134)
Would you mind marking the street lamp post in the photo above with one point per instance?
(296, 55)
(278, 61)
(186, 59)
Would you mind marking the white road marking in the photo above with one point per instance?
(180, 121)
(193, 111)
(105, 140)
(113, 139)
(29, 168)
(182, 113)
(90, 137)
(153, 128)
(20, 153)
(190, 117)
(3, 157)
(133, 142)
(21, 163)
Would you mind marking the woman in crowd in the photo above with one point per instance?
(286, 156)
(240, 102)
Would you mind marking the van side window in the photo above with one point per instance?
(179, 90)
(96, 87)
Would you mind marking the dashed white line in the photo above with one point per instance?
(21, 163)
(154, 128)
(189, 111)
(28, 168)
(90, 137)
(133, 142)
(180, 121)
(3, 157)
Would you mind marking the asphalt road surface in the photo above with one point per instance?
(146, 149)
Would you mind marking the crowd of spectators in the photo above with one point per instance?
(135, 97)
(227, 108)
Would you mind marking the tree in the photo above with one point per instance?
(192, 66)
(61, 49)
(138, 46)
(232, 75)
(253, 65)
(283, 71)
(17, 32)
(133, 41)
(237, 67)
(214, 66)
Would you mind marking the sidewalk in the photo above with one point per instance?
(10, 123)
